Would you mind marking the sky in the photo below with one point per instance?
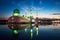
(44, 7)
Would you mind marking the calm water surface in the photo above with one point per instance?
(43, 34)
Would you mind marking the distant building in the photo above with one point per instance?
(56, 14)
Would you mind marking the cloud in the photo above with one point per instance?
(40, 2)
(58, 3)
(37, 8)
(56, 13)
(25, 9)
(13, 2)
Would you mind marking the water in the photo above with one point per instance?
(43, 33)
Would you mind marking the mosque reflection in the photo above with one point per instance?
(16, 29)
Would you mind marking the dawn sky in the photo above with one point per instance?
(44, 7)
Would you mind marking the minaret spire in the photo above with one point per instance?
(30, 11)
(25, 14)
(36, 13)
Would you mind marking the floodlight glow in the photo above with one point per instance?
(36, 31)
(31, 30)
(25, 30)
(16, 14)
(15, 31)
(31, 33)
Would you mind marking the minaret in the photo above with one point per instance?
(31, 31)
(25, 14)
(30, 15)
(36, 13)
(36, 22)
(31, 12)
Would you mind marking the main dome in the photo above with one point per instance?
(16, 12)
